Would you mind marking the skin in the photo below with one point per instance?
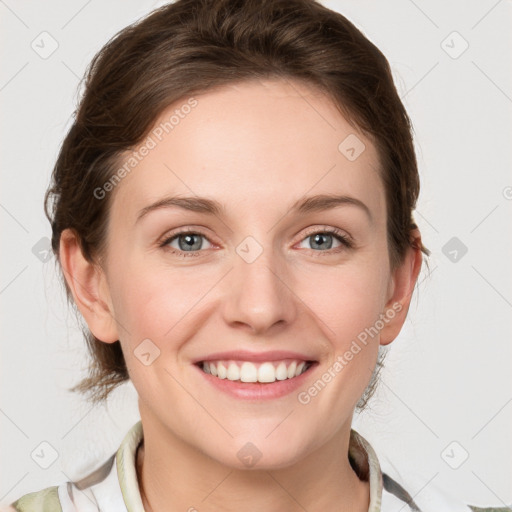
(257, 148)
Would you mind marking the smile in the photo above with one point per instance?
(264, 372)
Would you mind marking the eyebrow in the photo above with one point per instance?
(316, 203)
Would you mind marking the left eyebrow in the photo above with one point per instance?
(310, 204)
(324, 202)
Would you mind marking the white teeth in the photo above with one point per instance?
(299, 369)
(291, 370)
(249, 372)
(266, 373)
(281, 372)
(222, 373)
(233, 372)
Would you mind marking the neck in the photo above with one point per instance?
(318, 482)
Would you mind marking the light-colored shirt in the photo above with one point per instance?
(113, 487)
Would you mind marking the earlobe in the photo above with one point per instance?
(402, 285)
(89, 288)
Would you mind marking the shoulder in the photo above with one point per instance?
(45, 500)
(391, 490)
(430, 498)
(491, 509)
(108, 487)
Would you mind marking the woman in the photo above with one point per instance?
(232, 213)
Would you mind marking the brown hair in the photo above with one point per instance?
(191, 46)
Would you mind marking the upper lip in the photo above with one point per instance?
(244, 355)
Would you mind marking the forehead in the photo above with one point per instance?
(244, 144)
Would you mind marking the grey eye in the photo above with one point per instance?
(188, 242)
(321, 241)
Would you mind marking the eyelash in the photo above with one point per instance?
(342, 238)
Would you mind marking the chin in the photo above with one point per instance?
(261, 454)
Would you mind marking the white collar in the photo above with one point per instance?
(359, 449)
(114, 486)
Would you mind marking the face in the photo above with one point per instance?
(279, 254)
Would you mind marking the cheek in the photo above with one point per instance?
(161, 306)
(347, 306)
(346, 299)
(158, 302)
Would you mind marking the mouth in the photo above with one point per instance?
(265, 372)
(256, 376)
(257, 383)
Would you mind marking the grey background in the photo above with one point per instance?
(447, 377)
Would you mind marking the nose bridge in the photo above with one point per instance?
(257, 294)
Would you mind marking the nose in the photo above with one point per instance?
(258, 297)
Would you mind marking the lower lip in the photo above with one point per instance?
(257, 391)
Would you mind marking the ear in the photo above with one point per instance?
(89, 288)
(401, 286)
